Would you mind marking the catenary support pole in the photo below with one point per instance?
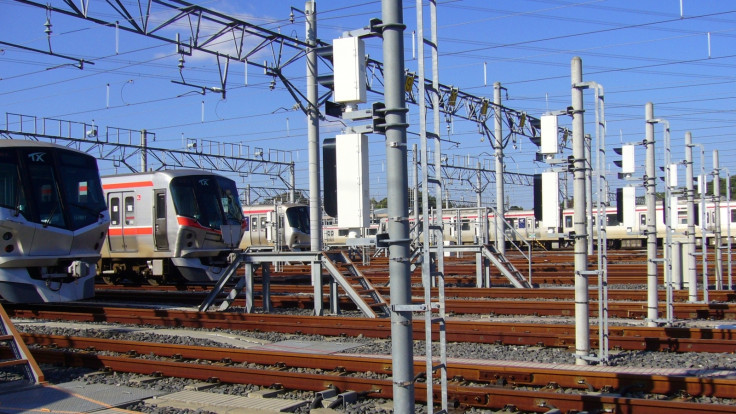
(498, 150)
(689, 254)
(590, 223)
(144, 152)
(315, 204)
(402, 354)
(717, 220)
(582, 324)
(650, 183)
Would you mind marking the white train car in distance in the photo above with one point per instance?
(282, 226)
(177, 223)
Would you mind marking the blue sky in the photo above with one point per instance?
(678, 55)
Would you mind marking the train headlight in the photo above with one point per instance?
(7, 236)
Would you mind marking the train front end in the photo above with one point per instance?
(209, 220)
(297, 236)
(53, 222)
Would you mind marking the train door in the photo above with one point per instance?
(122, 215)
(255, 231)
(160, 233)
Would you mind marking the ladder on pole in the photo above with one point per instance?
(432, 232)
(21, 362)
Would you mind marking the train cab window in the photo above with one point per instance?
(130, 210)
(11, 193)
(612, 220)
(568, 222)
(47, 198)
(114, 211)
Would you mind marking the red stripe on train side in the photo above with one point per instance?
(130, 231)
(135, 184)
(190, 222)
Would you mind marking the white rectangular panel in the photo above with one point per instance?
(348, 57)
(550, 200)
(549, 135)
(629, 206)
(353, 198)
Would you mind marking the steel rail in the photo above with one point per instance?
(620, 380)
(462, 395)
(626, 338)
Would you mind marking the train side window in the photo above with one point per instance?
(160, 205)
(612, 220)
(643, 219)
(253, 223)
(522, 223)
(733, 215)
(465, 225)
(129, 211)
(263, 223)
(114, 211)
(568, 221)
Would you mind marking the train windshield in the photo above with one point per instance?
(11, 191)
(298, 218)
(230, 201)
(62, 188)
(212, 201)
(81, 188)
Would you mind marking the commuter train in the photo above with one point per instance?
(170, 226)
(280, 227)
(53, 221)
(462, 226)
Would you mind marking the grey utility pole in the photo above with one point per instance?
(582, 326)
(402, 354)
(498, 130)
(650, 183)
(692, 282)
(315, 204)
(717, 220)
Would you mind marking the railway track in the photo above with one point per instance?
(669, 339)
(479, 384)
(283, 287)
(476, 304)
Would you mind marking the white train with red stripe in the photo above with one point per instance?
(281, 226)
(53, 222)
(461, 225)
(170, 226)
